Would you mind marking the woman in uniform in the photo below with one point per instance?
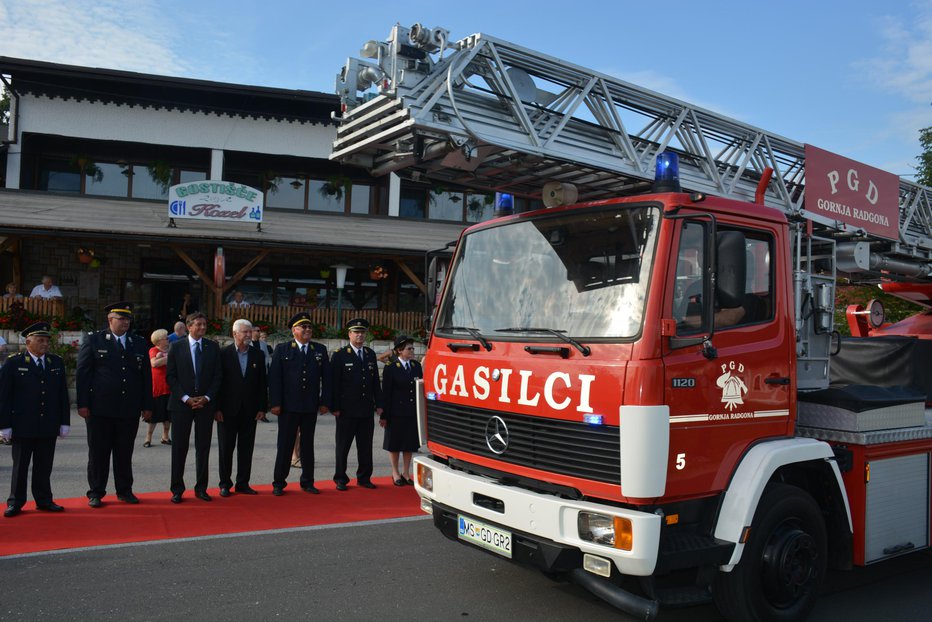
(399, 412)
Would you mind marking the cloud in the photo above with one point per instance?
(103, 33)
(904, 62)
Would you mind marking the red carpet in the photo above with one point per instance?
(157, 518)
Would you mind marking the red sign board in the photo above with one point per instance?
(851, 192)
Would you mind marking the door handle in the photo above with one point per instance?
(775, 380)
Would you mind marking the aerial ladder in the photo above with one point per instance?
(494, 116)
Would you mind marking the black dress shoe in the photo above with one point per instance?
(341, 486)
(366, 485)
(51, 506)
(203, 496)
(310, 489)
(128, 498)
(94, 502)
(400, 481)
(278, 491)
(176, 497)
(224, 492)
(409, 481)
(11, 511)
(246, 490)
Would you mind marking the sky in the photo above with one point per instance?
(850, 76)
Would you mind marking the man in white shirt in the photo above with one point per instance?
(45, 289)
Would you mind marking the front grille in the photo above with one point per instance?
(553, 445)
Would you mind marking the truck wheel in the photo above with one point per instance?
(783, 563)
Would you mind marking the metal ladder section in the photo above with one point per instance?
(494, 116)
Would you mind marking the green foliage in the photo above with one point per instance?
(924, 170)
(895, 308)
(4, 105)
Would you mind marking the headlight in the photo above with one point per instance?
(606, 530)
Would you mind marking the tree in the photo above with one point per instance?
(4, 105)
(924, 170)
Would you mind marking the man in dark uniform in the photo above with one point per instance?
(356, 395)
(114, 381)
(193, 374)
(34, 410)
(242, 402)
(299, 389)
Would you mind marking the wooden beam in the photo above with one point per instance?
(404, 268)
(208, 281)
(236, 278)
(7, 243)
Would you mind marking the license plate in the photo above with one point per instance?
(486, 536)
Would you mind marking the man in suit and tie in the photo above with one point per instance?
(114, 385)
(356, 395)
(242, 402)
(299, 389)
(34, 411)
(193, 374)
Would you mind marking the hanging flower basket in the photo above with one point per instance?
(85, 258)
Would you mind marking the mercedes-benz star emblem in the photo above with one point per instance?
(496, 435)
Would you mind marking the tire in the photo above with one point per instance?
(783, 563)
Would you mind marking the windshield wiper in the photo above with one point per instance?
(586, 351)
(475, 335)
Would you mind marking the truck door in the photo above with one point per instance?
(724, 397)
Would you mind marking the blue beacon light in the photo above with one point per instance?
(592, 419)
(504, 204)
(667, 173)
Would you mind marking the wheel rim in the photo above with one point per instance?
(789, 565)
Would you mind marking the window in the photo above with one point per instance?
(446, 206)
(479, 207)
(359, 201)
(105, 179)
(287, 193)
(323, 197)
(742, 254)
(412, 202)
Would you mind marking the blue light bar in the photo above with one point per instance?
(593, 419)
(504, 204)
(667, 173)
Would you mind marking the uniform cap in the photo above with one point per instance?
(39, 329)
(124, 309)
(358, 323)
(299, 318)
(401, 340)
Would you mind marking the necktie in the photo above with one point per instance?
(197, 365)
(41, 366)
(121, 344)
(304, 350)
(361, 358)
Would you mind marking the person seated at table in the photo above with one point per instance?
(11, 293)
(46, 289)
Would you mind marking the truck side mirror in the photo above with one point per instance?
(731, 269)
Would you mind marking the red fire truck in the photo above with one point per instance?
(635, 388)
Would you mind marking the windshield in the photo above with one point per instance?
(581, 273)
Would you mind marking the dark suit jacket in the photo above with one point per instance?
(356, 388)
(242, 395)
(32, 402)
(398, 389)
(297, 383)
(112, 382)
(180, 373)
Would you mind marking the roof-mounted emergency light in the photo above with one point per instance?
(667, 173)
(504, 204)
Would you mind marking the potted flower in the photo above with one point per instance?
(85, 255)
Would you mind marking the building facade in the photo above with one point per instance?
(86, 169)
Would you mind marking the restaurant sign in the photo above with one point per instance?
(853, 193)
(221, 201)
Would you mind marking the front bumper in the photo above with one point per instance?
(544, 526)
